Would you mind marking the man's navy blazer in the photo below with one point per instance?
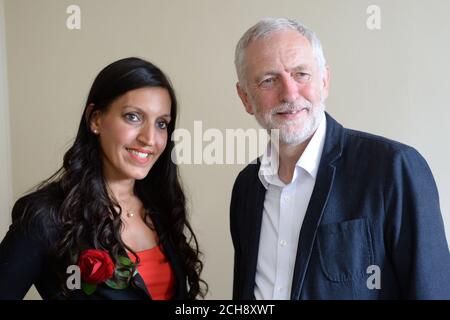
(374, 205)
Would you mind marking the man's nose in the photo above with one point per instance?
(290, 90)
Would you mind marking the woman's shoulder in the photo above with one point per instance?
(44, 199)
(37, 211)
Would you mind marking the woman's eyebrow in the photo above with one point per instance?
(139, 109)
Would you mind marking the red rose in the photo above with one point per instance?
(95, 266)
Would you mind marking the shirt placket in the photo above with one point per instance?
(284, 234)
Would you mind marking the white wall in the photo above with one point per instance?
(392, 82)
(5, 154)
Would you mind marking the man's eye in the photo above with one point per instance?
(303, 76)
(132, 117)
(162, 124)
(267, 82)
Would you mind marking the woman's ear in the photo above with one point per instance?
(93, 117)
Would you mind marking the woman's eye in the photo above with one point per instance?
(132, 117)
(162, 124)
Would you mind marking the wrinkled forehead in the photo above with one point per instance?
(286, 48)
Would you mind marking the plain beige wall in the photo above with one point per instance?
(5, 152)
(391, 82)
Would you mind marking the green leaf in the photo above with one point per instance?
(116, 284)
(111, 284)
(123, 273)
(88, 288)
(125, 261)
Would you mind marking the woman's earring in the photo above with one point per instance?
(95, 131)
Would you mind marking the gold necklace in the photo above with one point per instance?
(130, 213)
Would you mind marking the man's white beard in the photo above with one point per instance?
(289, 133)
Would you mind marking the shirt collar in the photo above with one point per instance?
(308, 161)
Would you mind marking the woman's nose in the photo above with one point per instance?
(147, 135)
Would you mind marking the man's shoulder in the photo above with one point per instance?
(363, 143)
(249, 172)
(245, 180)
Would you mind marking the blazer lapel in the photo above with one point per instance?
(254, 210)
(322, 188)
(139, 282)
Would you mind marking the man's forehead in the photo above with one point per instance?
(286, 47)
(279, 39)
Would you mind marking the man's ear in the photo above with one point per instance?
(94, 119)
(244, 98)
(326, 82)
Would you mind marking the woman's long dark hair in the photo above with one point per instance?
(87, 215)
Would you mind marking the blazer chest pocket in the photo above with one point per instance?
(345, 250)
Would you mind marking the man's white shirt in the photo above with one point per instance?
(285, 206)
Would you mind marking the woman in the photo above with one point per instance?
(111, 223)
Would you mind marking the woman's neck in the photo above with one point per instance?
(121, 190)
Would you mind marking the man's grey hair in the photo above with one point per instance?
(266, 27)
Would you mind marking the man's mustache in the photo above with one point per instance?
(292, 107)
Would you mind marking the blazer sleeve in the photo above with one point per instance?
(234, 226)
(22, 253)
(417, 241)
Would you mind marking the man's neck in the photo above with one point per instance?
(288, 158)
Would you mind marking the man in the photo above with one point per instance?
(345, 214)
